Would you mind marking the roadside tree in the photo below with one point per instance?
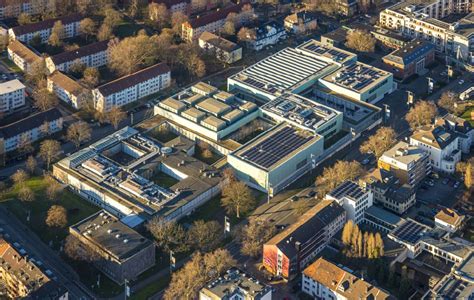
(423, 113)
(56, 217)
(49, 151)
(237, 198)
(204, 236)
(381, 141)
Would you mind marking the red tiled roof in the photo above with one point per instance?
(28, 28)
(215, 15)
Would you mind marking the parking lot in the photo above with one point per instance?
(442, 190)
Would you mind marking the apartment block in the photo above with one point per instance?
(66, 88)
(93, 55)
(235, 284)
(13, 8)
(174, 6)
(266, 35)
(441, 22)
(30, 129)
(442, 145)
(463, 129)
(25, 33)
(327, 281)
(132, 87)
(123, 253)
(12, 95)
(21, 55)
(409, 164)
(300, 22)
(290, 251)
(22, 278)
(353, 198)
(211, 21)
(224, 50)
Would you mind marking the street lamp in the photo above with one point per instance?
(226, 225)
(172, 261)
(430, 84)
(410, 98)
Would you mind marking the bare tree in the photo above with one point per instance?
(91, 77)
(37, 71)
(246, 34)
(78, 133)
(77, 67)
(105, 32)
(380, 142)
(158, 13)
(57, 34)
(31, 164)
(448, 101)
(254, 235)
(361, 41)
(177, 20)
(88, 27)
(423, 113)
(237, 198)
(53, 188)
(24, 19)
(49, 150)
(44, 99)
(204, 236)
(25, 194)
(335, 175)
(115, 116)
(112, 17)
(79, 251)
(19, 178)
(56, 217)
(169, 235)
(202, 268)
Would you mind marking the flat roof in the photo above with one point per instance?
(331, 54)
(347, 189)
(112, 236)
(384, 215)
(213, 106)
(11, 86)
(278, 72)
(410, 231)
(276, 145)
(357, 77)
(404, 153)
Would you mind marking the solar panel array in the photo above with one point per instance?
(409, 231)
(272, 149)
(281, 70)
(347, 189)
(318, 49)
(357, 76)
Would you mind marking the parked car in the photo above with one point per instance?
(456, 184)
(445, 181)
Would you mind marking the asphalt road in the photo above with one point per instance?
(36, 249)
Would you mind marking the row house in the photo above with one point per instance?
(26, 33)
(92, 55)
(132, 87)
(21, 55)
(30, 129)
(13, 8)
(287, 253)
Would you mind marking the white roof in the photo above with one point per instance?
(11, 86)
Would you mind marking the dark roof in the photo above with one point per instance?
(215, 15)
(263, 30)
(339, 34)
(306, 227)
(410, 52)
(218, 41)
(80, 52)
(29, 123)
(133, 79)
(170, 3)
(51, 290)
(347, 189)
(28, 28)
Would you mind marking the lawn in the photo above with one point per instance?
(199, 154)
(152, 288)
(164, 180)
(76, 207)
(467, 115)
(11, 65)
(127, 28)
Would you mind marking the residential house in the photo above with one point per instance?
(224, 50)
(441, 144)
(93, 55)
(21, 55)
(122, 253)
(287, 253)
(448, 219)
(353, 198)
(327, 281)
(66, 88)
(409, 164)
(30, 129)
(211, 21)
(132, 87)
(266, 35)
(462, 127)
(22, 278)
(390, 38)
(12, 95)
(175, 6)
(411, 59)
(25, 33)
(300, 22)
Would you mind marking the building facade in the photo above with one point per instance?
(21, 55)
(441, 144)
(354, 199)
(449, 220)
(462, 128)
(122, 253)
(132, 87)
(26, 33)
(266, 35)
(290, 251)
(12, 95)
(301, 22)
(30, 129)
(409, 164)
(327, 281)
(67, 89)
(224, 50)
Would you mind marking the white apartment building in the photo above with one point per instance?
(132, 87)
(427, 20)
(354, 199)
(326, 281)
(13, 8)
(462, 127)
(21, 55)
(30, 129)
(26, 32)
(67, 89)
(441, 144)
(93, 55)
(12, 95)
(224, 50)
(266, 35)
